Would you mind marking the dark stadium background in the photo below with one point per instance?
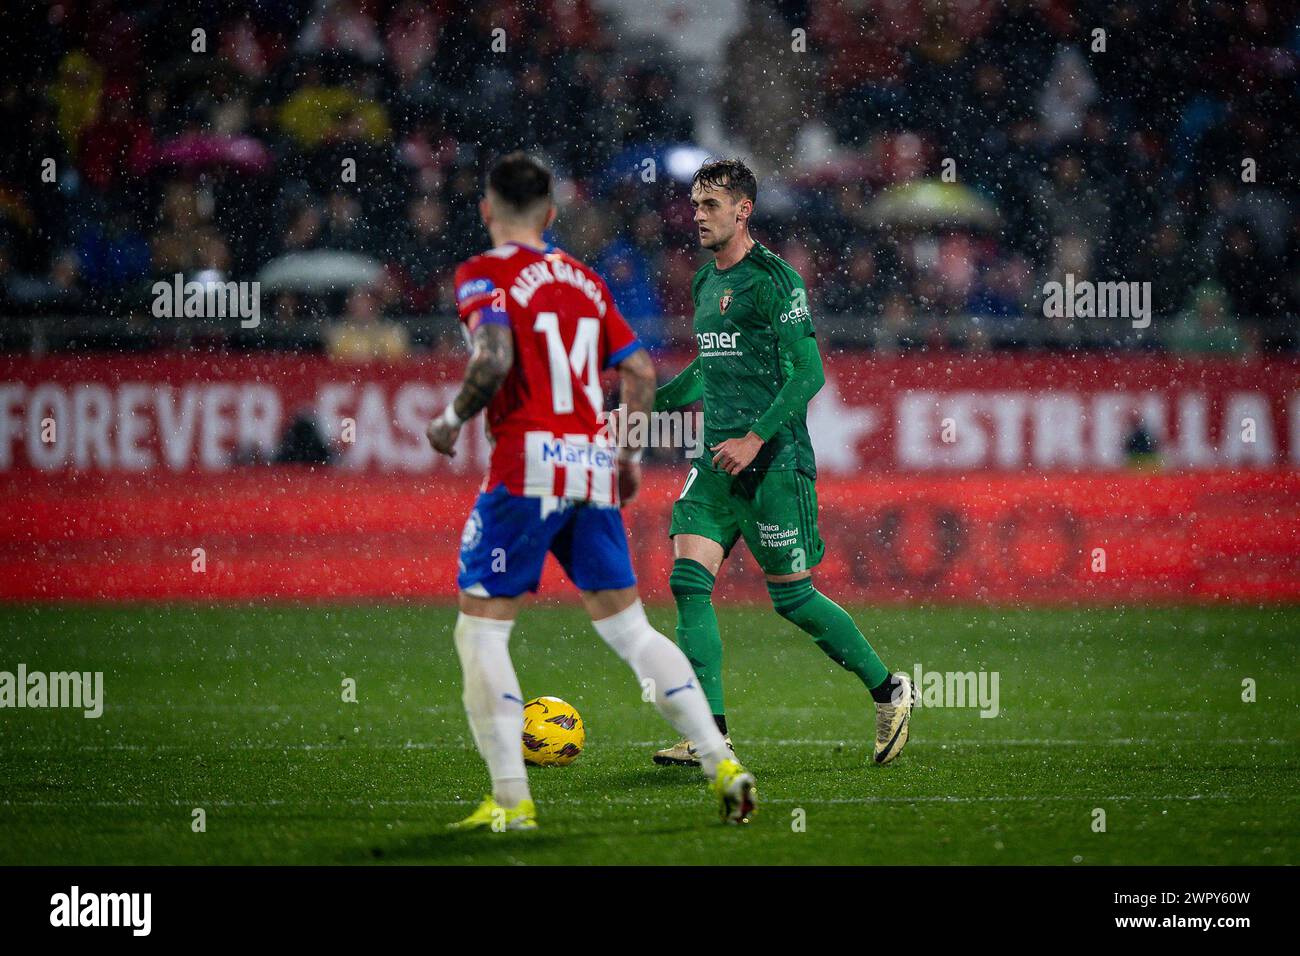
(1123, 162)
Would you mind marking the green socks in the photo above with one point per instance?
(830, 626)
(697, 627)
(797, 601)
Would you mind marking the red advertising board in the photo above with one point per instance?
(941, 415)
(995, 479)
(287, 534)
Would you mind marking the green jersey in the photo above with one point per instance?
(746, 319)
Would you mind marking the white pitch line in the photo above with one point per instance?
(263, 708)
(361, 744)
(633, 802)
(998, 742)
(217, 707)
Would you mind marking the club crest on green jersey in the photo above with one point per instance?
(725, 300)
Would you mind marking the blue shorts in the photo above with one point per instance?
(506, 538)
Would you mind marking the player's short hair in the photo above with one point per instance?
(520, 181)
(729, 174)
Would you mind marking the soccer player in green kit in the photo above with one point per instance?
(758, 367)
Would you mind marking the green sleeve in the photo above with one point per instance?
(806, 379)
(793, 325)
(686, 387)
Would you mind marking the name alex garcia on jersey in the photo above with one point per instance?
(537, 274)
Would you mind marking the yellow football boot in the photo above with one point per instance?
(498, 819)
(734, 787)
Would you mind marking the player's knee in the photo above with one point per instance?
(788, 597)
(627, 632)
(462, 636)
(472, 634)
(688, 578)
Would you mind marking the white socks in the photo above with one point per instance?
(677, 693)
(494, 703)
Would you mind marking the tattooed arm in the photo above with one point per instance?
(489, 364)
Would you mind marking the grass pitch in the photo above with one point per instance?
(239, 711)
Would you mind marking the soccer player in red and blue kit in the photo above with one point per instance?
(542, 326)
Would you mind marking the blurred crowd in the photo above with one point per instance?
(1109, 140)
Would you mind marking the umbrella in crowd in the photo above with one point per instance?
(931, 204)
(192, 151)
(321, 270)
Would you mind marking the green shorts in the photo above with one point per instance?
(775, 512)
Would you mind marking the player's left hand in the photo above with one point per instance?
(735, 454)
(629, 480)
(443, 437)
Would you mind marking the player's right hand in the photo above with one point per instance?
(629, 481)
(443, 437)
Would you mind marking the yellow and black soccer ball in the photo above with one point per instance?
(553, 732)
